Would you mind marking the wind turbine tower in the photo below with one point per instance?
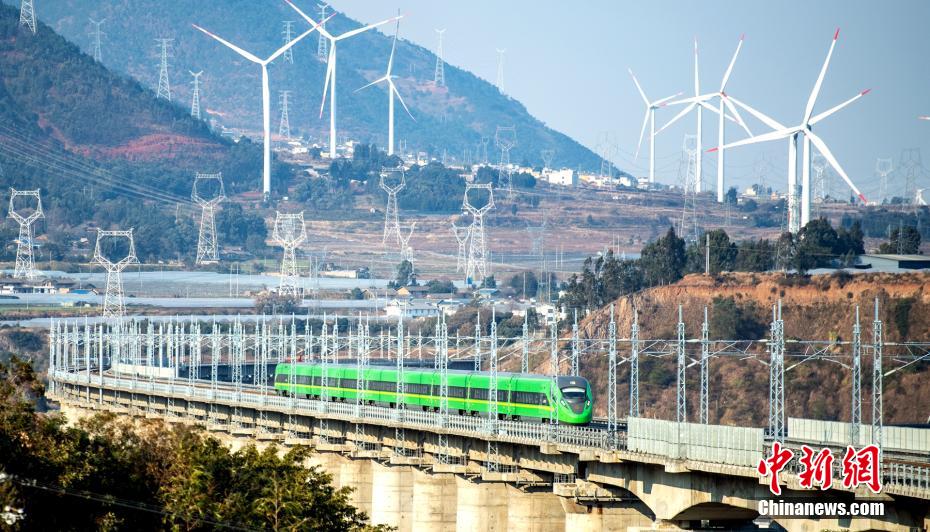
(439, 77)
(322, 43)
(477, 266)
(27, 15)
(164, 86)
(392, 181)
(266, 95)
(207, 248)
(289, 232)
(97, 34)
(330, 82)
(288, 33)
(505, 138)
(500, 69)
(113, 298)
(195, 99)
(883, 167)
(392, 91)
(25, 265)
(650, 120)
(284, 126)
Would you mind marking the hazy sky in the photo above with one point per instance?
(568, 63)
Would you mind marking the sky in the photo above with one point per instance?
(567, 62)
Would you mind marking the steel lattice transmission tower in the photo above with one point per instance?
(500, 69)
(113, 299)
(883, 167)
(461, 237)
(477, 264)
(289, 233)
(284, 127)
(392, 231)
(164, 86)
(322, 50)
(27, 15)
(97, 34)
(288, 33)
(505, 138)
(25, 265)
(439, 77)
(207, 248)
(195, 99)
(406, 250)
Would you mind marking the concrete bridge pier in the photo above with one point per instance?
(480, 506)
(392, 496)
(534, 511)
(435, 498)
(606, 517)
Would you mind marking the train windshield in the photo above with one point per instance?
(574, 394)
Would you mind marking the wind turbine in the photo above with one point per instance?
(649, 118)
(330, 83)
(266, 95)
(791, 133)
(698, 103)
(392, 91)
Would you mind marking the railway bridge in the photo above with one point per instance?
(433, 470)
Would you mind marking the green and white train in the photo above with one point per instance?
(519, 396)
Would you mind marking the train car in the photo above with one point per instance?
(519, 396)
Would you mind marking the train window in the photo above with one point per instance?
(280, 377)
(317, 380)
(574, 394)
(478, 393)
(347, 383)
(457, 391)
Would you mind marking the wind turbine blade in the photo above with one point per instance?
(393, 47)
(677, 117)
(772, 135)
(356, 31)
(828, 155)
(829, 112)
(640, 89)
(329, 75)
(772, 123)
(375, 82)
(662, 102)
(230, 45)
(923, 118)
(690, 99)
(823, 72)
(739, 119)
(726, 75)
(284, 48)
(310, 20)
(641, 133)
(400, 99)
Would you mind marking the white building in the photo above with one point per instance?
(566, 177)
(410, 309)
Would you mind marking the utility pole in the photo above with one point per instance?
(25, 264)
(207, 248)
(113, 299)
(96, 34)
(164, 86)
(195, 99)
(707, 254)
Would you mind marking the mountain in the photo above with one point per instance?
(450, 118)
(104, 152)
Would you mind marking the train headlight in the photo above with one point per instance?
(563, 402)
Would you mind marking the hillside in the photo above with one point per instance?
(447, 118)
(821, 307)
(101, 148)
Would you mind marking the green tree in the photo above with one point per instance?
(904, 240)
(723, 253)
(525, 279)
(404, 275)
(663, 261)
